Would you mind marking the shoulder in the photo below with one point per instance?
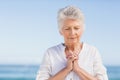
(92, 50)
(89, 47)
(55, 49)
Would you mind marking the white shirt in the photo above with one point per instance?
(55, 60)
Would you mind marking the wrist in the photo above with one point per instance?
(68, 69)
(77, 70)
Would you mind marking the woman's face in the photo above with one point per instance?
(72, 30)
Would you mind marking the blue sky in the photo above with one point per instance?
(29, 27)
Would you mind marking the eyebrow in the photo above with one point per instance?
(69, 26)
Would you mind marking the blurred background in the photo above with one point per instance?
(29, 27)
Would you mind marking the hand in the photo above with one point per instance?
(70, 61)
(72, 58)
(75, 63)
(76, 66)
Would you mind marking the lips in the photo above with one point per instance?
(72, 38)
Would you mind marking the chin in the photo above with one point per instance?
(73, 42)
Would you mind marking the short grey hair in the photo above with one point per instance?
(71, 12)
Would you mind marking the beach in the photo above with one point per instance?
(29, 72)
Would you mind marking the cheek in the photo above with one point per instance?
(65, 35)
(80, 33)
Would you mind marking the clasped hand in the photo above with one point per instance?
(72, 63)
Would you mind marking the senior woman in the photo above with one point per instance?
(73, 59)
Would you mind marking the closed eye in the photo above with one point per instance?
(67, 28)
(76, 28)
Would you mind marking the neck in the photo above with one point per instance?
(74, 47)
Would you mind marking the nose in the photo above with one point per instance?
(72, 31)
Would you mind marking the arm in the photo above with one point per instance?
(64, 72)
(99, 69)
(79, 71)
(45, 68)
(82, 73)
(60, 75)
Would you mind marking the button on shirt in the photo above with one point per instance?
(54, 60)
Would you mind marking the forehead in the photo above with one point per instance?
(72, 22)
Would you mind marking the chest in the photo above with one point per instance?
(85, 62)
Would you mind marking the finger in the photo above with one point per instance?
(73, 58)
(70, 59)
(70, 52)
(69, 56)
(76, 52)
(76, 55)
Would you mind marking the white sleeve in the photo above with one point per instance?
(45, 68)
(99, 69)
